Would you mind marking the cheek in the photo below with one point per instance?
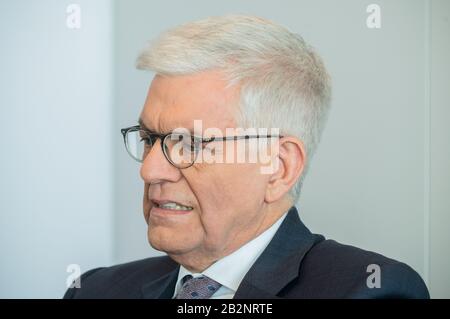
(228, 194)
(213, 190)
(238, 184)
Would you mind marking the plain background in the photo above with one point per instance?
(70, 194)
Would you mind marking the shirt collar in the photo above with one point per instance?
(230, 270)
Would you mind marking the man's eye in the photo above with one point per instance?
(148, 140)
(189, 146)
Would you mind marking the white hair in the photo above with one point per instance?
(283, 82)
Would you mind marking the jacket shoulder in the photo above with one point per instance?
(334, 270)
(120, 281)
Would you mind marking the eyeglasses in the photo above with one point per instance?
(179, 148)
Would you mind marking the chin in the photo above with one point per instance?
(168, 242)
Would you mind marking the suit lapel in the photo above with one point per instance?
(280, 261)
(161, 288)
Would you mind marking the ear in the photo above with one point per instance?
(291, 163)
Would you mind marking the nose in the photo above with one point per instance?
(156, 168)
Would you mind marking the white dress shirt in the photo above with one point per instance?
(230, 270)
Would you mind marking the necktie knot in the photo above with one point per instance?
(197, 288)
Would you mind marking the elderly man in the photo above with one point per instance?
(227, 88)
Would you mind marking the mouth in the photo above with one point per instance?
(168, 205)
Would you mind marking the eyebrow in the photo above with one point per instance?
(143, 126)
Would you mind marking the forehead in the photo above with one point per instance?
(176, 101)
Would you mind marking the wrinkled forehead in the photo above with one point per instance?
(176, 101)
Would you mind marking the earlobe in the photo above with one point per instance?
(275, 187)
(292, 158)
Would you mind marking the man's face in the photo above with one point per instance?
(226, 199)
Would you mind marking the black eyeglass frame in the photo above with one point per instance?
(197, 141)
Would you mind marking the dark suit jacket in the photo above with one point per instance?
(295, 264)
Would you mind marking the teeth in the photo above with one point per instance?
(174, 206)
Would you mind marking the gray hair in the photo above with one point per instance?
(283, 82)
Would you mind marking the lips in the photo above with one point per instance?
(168, 204)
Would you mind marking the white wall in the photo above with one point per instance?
(366, 186)
(439, 99)
(56, 153)
(369, 184)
